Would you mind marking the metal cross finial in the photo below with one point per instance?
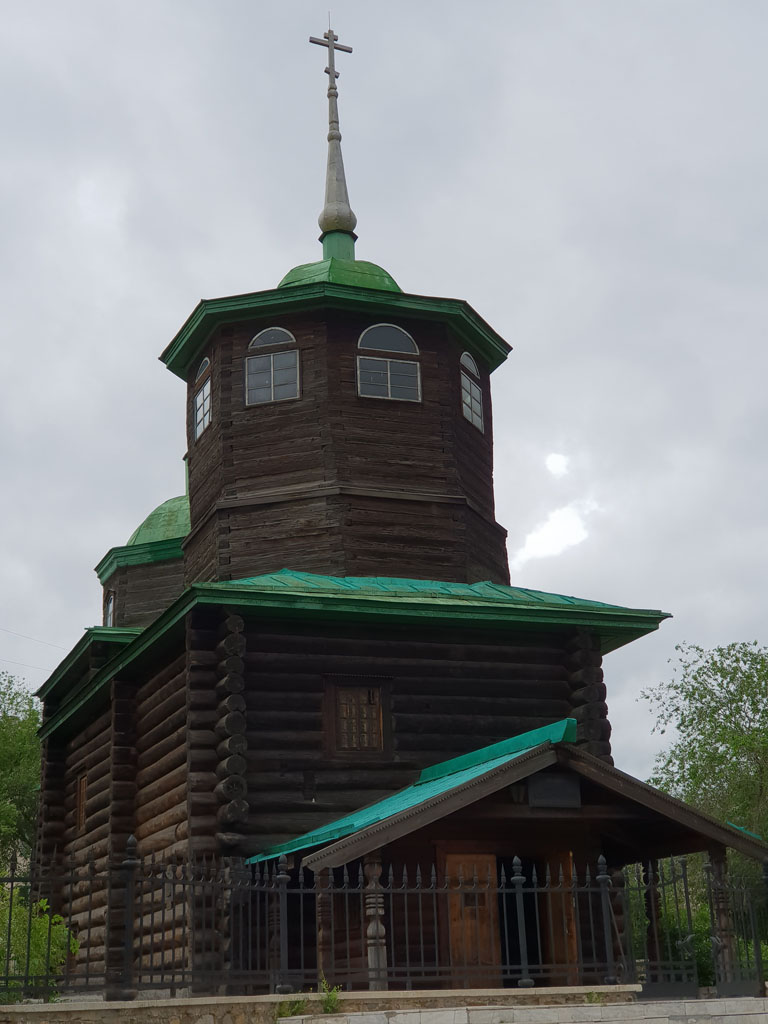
(337, 215)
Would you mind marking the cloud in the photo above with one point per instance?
(562, 529)
(557, 464)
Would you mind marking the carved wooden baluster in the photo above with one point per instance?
(376, 933)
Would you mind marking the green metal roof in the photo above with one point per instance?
(434, 781)
(167, 522)
(357, 273)
(78, 661)
(372, 602)
(157, 539)
(373, 297)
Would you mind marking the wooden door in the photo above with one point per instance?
(473, 919)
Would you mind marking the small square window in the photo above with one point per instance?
(357, 715)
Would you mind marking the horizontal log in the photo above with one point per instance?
(230, 683)
(162, 767)
(231, 745)
(147, 740)
(233, 764)
(173, 741)
(165, 792)
(233, 813)
(153, 698)
(165, 819)
(231, 665)
(233, 787)
(585, 712)
(233, 623)
(230, 724)
(173, 669)
(160, 714)
(588, 694)
(232, 643)
(231, 702)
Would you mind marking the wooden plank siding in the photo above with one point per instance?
(142, 592)
(337, 483)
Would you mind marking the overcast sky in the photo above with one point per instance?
(591, 175)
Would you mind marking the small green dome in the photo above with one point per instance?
(168, 521)
(358, 273)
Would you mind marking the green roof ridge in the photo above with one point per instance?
(563, 731)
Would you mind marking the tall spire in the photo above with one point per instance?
(337, 221)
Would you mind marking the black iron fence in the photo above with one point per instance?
(221, 926)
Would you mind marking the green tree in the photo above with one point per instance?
(19, 767)
(717, 703)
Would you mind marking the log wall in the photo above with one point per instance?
(142, 592)
(444, 698)
(338, 483)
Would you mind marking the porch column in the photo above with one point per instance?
(722, 922)
(375, 934)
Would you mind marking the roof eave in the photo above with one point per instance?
(474, 331)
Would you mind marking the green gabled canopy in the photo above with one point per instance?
(434, 781)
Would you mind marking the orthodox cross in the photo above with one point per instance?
(337, 216)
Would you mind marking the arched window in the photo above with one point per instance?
(471, 395)
(109, 608)
(272, 336)
(398, 379)
(202, 410)
(388, 338)
(272, 376)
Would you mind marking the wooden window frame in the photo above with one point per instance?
(258, 354)
(333, 683)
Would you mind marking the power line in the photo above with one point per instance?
(33, 639)
(23, 664)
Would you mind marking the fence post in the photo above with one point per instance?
(122, 912)
(518, 880)
(604, 881)
(283, 986)
(376, 935)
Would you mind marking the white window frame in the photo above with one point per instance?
(202, 408)
(109, 608)
(388, 363)
(270, 356)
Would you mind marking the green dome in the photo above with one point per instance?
(168, 521)
(358, 273)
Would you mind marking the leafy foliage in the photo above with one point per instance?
(34, 945)
(329, 996)
(717, 701)
(19, 767)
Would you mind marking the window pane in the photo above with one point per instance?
(254, 363)
(469, 362)
(407, 369)
(283, 391)
(256, 396)
(282, 359)
(373, 390)
(259, 380)
(408, 394)
(387, 338)
(286, 376)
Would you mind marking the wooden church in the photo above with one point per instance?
(325, 620)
